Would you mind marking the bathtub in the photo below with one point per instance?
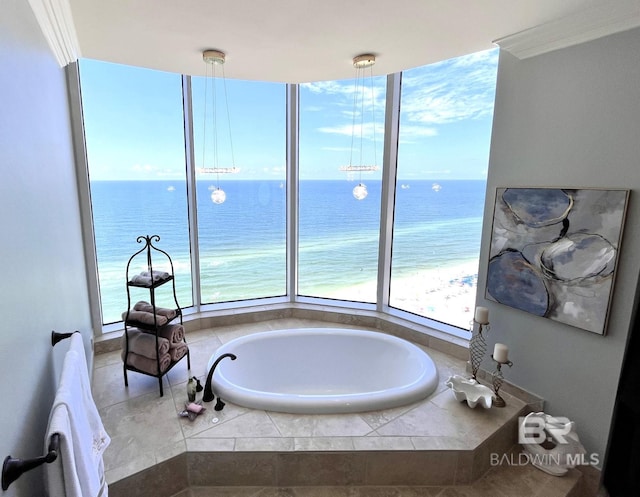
(323, 370)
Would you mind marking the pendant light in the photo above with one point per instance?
(214, 59)
(361, 63)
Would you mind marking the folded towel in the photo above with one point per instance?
(79, 469)
(139, 279)
(172, 332)
(157, 275)
(178, 351)
(144, 344)
(147, 307)
(147, 365)
(144, 318)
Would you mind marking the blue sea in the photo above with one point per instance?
(242, 242)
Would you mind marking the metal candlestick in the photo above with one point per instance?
(498, 379)
(477, 347)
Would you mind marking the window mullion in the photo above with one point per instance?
(389, 170)
(292, 190)
(192, 211)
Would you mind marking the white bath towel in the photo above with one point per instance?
(79, 469)
(139, 279)
(157, 275)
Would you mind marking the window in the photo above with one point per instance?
(446, 114)
(134, 129)
(134, 135)
(242, 241)
(338, 235)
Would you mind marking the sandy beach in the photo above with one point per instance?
(445, 294)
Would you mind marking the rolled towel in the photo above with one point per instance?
(139, 279)
(144, 318)
(172, 332)
(147, 365)
(144, 344)
(147, 307)
(177, 351)
(157, 275)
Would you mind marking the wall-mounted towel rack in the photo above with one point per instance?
(12, 468)
(57, 337)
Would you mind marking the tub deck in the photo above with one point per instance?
(438, 445)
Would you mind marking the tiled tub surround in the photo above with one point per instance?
(435, 442)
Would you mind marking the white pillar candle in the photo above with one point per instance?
(501, 353)
(482, 315)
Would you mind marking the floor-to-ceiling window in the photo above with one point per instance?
(137, 164)
(133, 122)
(446, 113)
(242, 241)
(341, 125)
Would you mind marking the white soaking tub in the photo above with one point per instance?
(323, 370)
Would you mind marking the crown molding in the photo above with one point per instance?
(56, 23)
(581, 27)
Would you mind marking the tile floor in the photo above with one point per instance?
(146, 430)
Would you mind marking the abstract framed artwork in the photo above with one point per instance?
(554, 252)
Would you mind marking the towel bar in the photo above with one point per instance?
(57, 337)
(13, 468)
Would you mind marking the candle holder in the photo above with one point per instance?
(498, 380)
(477, 347)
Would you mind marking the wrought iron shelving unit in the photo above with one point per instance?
(149, 249)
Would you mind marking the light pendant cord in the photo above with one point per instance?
(353, 119)
(361, 90)
(226, 100)
(215, 127)
(204, 118)
(373, 116)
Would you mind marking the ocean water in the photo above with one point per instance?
(242, 242)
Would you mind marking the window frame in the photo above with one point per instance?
(389, 170)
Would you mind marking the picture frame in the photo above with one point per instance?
(554, 252)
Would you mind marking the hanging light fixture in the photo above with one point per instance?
(213, 59)
(361, 63)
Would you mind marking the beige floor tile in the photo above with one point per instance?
(251, 424)
(108, 385)
(144, 424)
(209, 419)
(383, 443)
(264, 444)
(319, 425)
(324, 443)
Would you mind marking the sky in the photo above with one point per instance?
(134, 123)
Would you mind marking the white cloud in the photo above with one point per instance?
(412, 130)
(366, 130)
(143, 168)
(449, 91)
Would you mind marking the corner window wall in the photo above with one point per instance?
(137, 164)
(242, 241)
(446, 115)
(135, 146)
(338, 234)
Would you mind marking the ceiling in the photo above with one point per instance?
(313, 40)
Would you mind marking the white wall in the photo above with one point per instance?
(42, 273)
(569, 118)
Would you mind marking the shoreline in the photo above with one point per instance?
(445, 294)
